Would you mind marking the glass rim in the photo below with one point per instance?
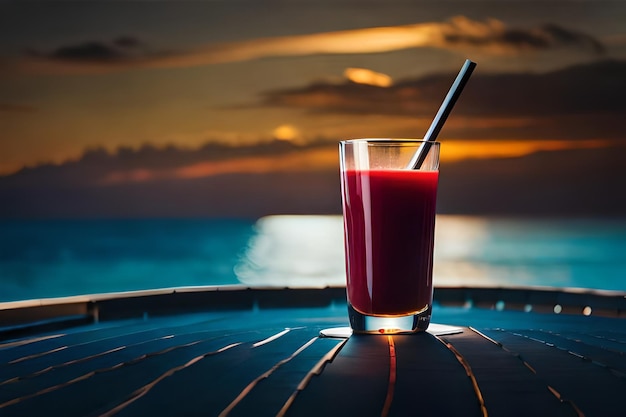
(389, 141)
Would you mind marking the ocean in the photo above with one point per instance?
(57, 258)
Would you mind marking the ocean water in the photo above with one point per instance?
(55, 258)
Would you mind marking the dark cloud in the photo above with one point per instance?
(574, 182)
(231, 195)
(595, 87)
(97, 163)
(88, 51)
(558, 36)
(584, 96)
(583, 89)
(121, 48)
(346, 98)
(73, 189)
(549, 36)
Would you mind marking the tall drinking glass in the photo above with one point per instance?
(389, 223)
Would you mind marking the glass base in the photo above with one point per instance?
(413, 323)
(434, 329)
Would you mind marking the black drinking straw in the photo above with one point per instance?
(442, 114)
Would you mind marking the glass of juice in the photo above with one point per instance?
(389, 223)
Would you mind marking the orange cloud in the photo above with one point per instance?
(459, 33)
(369, 77)
(305, 160)
(456, 150)
(326, 158)
(299, 161)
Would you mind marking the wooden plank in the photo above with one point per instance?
(108, 357)
(429, 376)
(353, 384)
(509, 387)
(588, 387)
(211, 384)
(590, 350)
(104, 388)
(270, 394)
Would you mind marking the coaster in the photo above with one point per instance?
(434, 329)
(443, 329)
(337, 332)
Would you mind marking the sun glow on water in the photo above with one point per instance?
(301, 251)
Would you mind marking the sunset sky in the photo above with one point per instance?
(116, 94)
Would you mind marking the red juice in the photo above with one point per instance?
(389, 221)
